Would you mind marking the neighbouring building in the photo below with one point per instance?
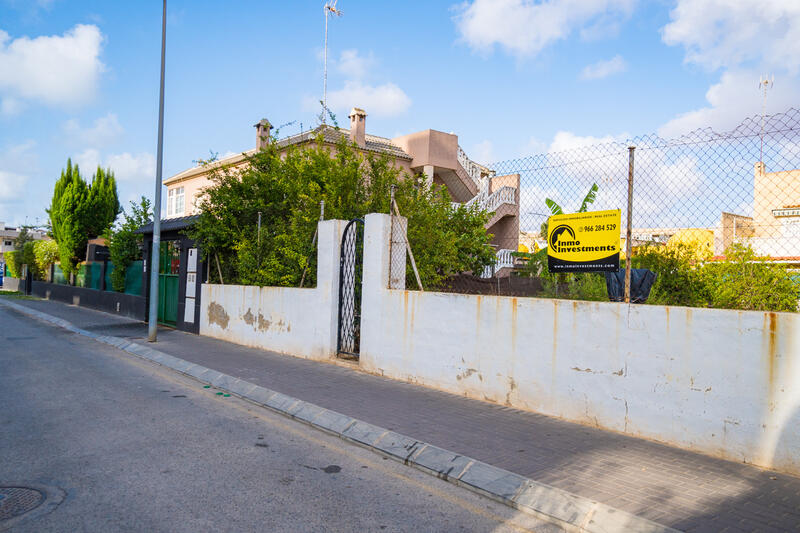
(434, 154)
(773, 230)
(8, 235)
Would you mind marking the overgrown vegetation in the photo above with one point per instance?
(80, 211)
(124, 244)
(287, 191)
(10, 259)
(569, 285)
(45, 253)
(741, 281)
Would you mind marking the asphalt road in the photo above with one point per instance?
(138, 448)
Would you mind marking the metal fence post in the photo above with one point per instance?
(628, 243)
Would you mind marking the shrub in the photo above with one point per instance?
(28, 257)
(123, 243)
(678, 278)
(45, 254)
(11, 263)
(571, 285)
(287, 192)
(744, 281)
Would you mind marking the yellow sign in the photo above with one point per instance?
(584, 242)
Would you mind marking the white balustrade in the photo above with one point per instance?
(504, 260)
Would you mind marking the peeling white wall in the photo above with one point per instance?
(300, 322)
(726, 383)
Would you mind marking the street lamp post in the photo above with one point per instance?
(152, 319)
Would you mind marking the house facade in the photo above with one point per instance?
(434, 154)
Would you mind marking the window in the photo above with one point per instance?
(9, 243)
(179, 207)
(175, 203)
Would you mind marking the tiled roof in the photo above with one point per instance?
(333, 135)
(380, 145)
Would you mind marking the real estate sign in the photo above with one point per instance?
(584, 242)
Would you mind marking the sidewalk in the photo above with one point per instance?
(681, 489)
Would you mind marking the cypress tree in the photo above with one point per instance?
(79, 211)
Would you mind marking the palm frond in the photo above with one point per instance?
(591, 196)
(554, 207)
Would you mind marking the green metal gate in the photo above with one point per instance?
(168, 269)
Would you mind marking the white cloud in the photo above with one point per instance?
(16, 162)
(525, 27)
(12, 185)
(734, 98)
(105, 130)
(726, 33)
(56, 70)
(483, 152)
(10, 106)
(605, 68)
(87, 161)
(127, 167)
(379, 100)
(132, 167)
(353, 65)
(566, 140)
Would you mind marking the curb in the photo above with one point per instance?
(570, 511)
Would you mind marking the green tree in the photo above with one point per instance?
(104, 202)
(287, 191)
(124, 244)
(23, 246)
(79, 212)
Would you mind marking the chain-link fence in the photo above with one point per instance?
(706, 197)
(740, 186)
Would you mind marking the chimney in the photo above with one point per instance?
(262, 133)
(358, 125)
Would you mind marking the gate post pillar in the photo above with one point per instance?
(378, 252)
(328, 251)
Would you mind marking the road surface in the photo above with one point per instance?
(136, 447)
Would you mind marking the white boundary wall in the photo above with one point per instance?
(726, 383)
(300, 322)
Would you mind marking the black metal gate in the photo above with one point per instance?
(350, 273)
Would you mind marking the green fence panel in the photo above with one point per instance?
(89, 275)
(109, 270)
(58, 275)
(133, 278)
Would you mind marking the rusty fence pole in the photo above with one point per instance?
(628, 243)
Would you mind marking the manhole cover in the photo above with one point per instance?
(16, 501)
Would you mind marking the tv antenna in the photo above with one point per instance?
(329, 9)
(765, 83)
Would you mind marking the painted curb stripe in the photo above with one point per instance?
(570, 511)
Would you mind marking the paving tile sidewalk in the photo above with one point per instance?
(681, 489)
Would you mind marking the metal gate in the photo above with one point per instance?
(350, 274)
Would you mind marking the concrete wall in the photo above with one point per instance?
(726, 383)
(301, 322)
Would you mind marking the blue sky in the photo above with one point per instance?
(509, 77)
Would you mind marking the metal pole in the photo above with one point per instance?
(259, 230)
(325, 71)
(152, 326)
(628, 243)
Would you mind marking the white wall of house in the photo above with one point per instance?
(726, 383)
(300, 322)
